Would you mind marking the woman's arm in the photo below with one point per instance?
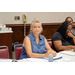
(49, 48)
(28, 48)
(59, 47)
(72, 36)
(73, 39)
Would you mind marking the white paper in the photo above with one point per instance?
(37, 60)
(68, 53)
(5, 60)
(23, 60)
(63, 60)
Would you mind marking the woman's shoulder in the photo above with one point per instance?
(30, 36)
(42, 36)
(56, 34)
(26, 38)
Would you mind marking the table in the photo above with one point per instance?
(65, 58)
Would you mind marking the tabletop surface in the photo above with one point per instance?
(6, 31)
(65, 58)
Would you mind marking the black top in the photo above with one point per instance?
(57, 36)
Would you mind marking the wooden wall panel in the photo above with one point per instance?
(6, 40)
(49, 29)
(18, 30)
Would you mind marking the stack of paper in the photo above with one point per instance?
(68, 53)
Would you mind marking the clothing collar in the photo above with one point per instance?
(33, 37)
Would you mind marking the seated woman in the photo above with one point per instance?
(63, 39)
(70, 20)
(35, 45)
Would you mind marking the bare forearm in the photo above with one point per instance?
(60, 48)
(36, 55)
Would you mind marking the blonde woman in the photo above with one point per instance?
(35, 45)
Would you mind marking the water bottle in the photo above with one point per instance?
(50, 56)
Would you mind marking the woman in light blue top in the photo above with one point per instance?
(35, 44)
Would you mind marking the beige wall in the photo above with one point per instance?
(44, 17)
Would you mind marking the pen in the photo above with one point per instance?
(57, 58)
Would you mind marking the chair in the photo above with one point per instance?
(50, 43)
(4, 53)
(18, 50)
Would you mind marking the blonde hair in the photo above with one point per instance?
(35, 21)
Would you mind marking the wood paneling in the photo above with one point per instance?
(18, 30)
(49, 29)
(6, 40)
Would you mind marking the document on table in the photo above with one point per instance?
(70, 52)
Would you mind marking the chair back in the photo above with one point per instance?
(18, 50)
(50, 43)
(4, 53)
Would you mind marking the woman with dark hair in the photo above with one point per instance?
(63, 39)
(69, 19)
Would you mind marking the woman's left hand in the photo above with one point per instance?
(70, 34)
(54, 53)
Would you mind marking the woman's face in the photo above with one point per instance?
(70, 20)
(36, 28)
(69, 29)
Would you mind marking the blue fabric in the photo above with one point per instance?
(36, 48)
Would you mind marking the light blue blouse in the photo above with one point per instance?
(36, 48)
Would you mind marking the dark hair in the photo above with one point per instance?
(70, 18)
(63, 28)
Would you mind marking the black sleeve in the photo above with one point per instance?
(71, 40)
(56, 36)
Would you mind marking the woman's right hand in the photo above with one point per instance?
(47, 54)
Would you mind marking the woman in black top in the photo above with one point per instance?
(63, 39)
